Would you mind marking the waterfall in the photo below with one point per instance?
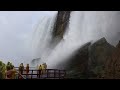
(42, 37)
(84, 26)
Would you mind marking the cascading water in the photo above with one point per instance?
(84, 26)
(42, 37)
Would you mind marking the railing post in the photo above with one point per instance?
(54, 74)
(39, 73)
(31, 74)
(47, 73)
(26, 74)
(65, 74)
(59, 74)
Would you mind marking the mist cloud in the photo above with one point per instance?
(16, 28)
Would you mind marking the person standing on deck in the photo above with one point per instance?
(40, 67)
(40, 70)
(14, 73)
(8, 65)
(11, 73)
(27, 70)
(43, 68)
(21, 69)
(8, 73)
(11, 65)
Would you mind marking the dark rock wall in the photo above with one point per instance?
(99, 52)
(77, 66)
(89, 60)
(112, 67)
(62, 21)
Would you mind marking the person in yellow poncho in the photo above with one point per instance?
(8, 73)
(11, 72)
(27, 70)
(43, 68)
(40, 70)
(40, 67)
(14, 73)
(21, 70)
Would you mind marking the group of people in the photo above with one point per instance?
(21, 70)
(7, 71)
(10, 72)
(42, 68)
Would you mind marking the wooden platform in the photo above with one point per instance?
(46, 74)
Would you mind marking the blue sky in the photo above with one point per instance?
(16, 28)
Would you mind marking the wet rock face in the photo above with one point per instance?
(118, 45)
(77, 66)
(62, 21)
(99, 60)
(113, 64)
(89, 60)
(98, 54)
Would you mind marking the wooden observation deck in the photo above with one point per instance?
(45, 74)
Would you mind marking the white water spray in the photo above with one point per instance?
(42, 37)
(84, 27)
